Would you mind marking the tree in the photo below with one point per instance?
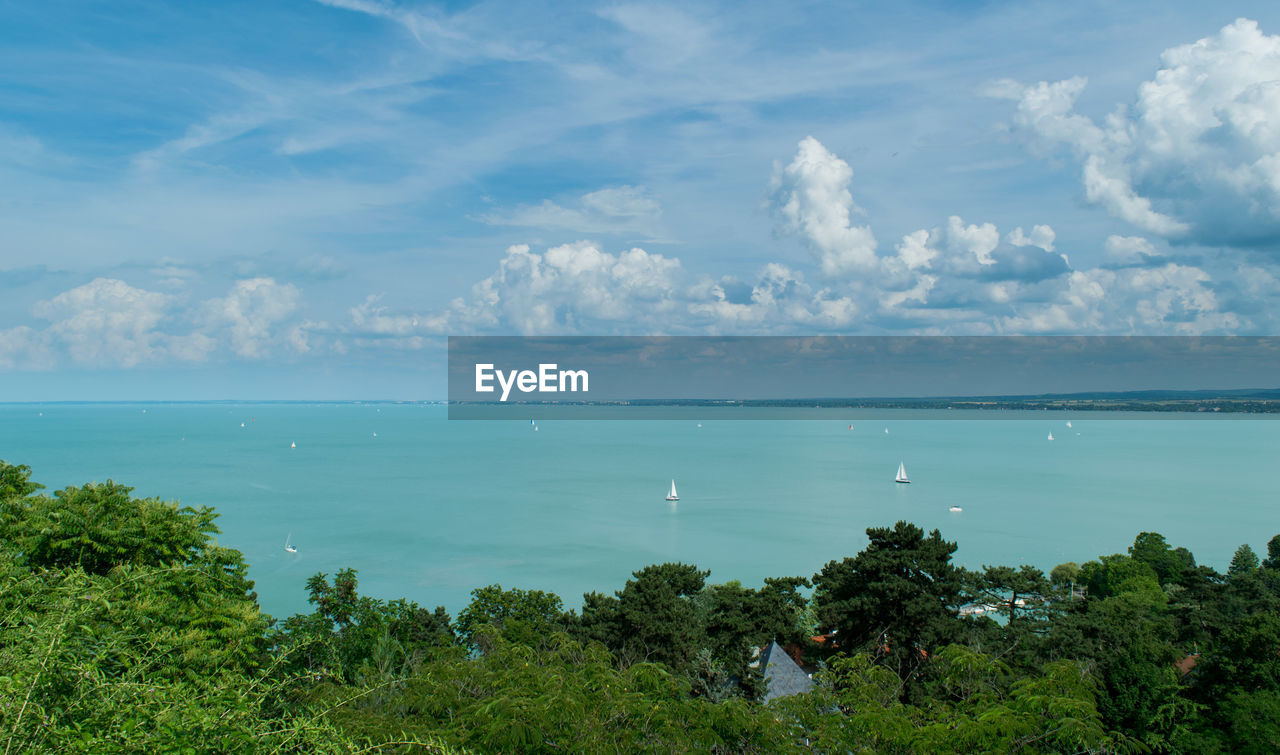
(353, 637)
(1016, 591)
(652, 618)
(1168, 564)
(1245, 561)
(521, 616)
(1065, 575)
(15, 481)
(1109, 575)
(740, 621)
(1273, 554)
(898, 597)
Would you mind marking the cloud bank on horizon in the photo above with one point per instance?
(308, 214)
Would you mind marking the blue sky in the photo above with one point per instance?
(299, 199)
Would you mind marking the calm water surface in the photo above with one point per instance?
(429, 509)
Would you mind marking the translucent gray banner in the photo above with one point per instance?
(793, 377)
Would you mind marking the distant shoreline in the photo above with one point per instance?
(1247, 401)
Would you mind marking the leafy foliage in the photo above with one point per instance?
(124, 626)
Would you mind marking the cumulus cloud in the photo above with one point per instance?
(107, 322)
(249, 312)
(572, 286)
(1125, 251)
(1195, 157)
(812, 196)
(24, 348)
(1170, 299)
(956, 277)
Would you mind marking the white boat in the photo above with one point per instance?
(1068, 423)
(293, 445)
(1050, 435)
(956, 508)
(902, 473)
(289, 548)
(672, 495)
(886, 431)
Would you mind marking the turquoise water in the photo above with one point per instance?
(429, 509)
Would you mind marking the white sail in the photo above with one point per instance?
(902, 473)
(290, 548)
(672, 494)
(1068, 423)
(1050, 435)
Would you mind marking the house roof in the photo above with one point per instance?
(781, 674)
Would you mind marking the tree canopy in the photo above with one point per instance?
(125, 626)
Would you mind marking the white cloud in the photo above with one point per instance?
(1170, 299)
(247, 316)
(620, 209)
(24, 348)
(812, 195)
(1196, 156)
(958, 277)
(107, 322)
(914, 250)
(1041, 236)
(1129, 250)
(575, 285)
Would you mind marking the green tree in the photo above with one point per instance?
(898, 597)
(653, 618)
(1245, 561)
(1252, 721)
(1018, 592)
(1273, 554)
(15, 481)
(1167, 563)
(1065, 575)
(520, 616)
(1109, 575)
(561, 696)
(353, 637)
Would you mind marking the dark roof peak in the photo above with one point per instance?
(781, 674)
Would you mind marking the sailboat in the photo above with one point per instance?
(1050, 435)
(289, 548)
(672, 495)
(293, 445)
(902, 473)
(1068, 423)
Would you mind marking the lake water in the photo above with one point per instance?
(429, 509)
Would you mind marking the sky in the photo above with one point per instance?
(302, 199)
